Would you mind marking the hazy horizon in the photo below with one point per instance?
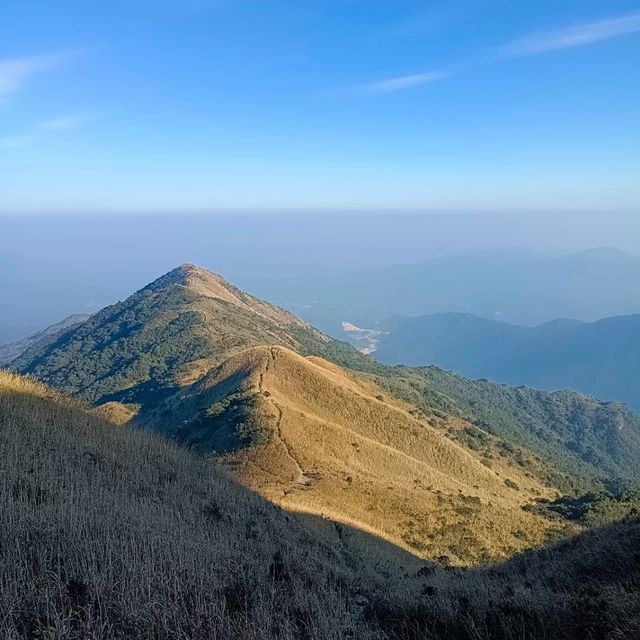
(52, 266)
(269, 141)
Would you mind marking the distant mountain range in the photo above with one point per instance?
(599, 358)
(511, 285)
(11, 351)
(15, 333)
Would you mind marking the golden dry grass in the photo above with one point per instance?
(341, 449)
(110, 533)
(211, 285)
(117, 412)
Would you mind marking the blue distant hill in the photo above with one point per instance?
(599, 358)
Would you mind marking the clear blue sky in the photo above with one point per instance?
(183, 105)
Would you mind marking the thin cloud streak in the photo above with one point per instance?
(63, 123)
(44, 128)
(399, 83)
(576, 36)
(18, 141)
(16, 72)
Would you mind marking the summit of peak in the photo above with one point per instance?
(207, 284)
(188, 269)
(200, 281)
(186, 274)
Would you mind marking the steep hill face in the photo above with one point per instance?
(433, 462)
(600, 358)
(310, 436)
(582, 437)
(111, 532)
(9, 352)
(167, 334)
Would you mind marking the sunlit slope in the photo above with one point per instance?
(134, 355)
(111, 532)
(588, 440)
(314, 438)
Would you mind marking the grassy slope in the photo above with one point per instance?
(584, 587)
(584, 437)
(106, 525)
(578, 442)
(167, 335)
(314, 438)
(109, 533)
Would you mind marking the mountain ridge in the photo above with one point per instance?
(212, 285)
(316, 439)
(187, 356)
(166, 334)
(12, 350)
(599, 358)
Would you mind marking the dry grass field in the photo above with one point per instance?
(326, 442)
(434, 464)
(113, 533)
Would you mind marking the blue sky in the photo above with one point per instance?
(204, 105)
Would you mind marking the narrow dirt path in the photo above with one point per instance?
(302, 479)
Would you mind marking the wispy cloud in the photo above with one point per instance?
(17, 141)
(438, 15)
(575, 36)
(44, 128)
(61, 123)
(399, 83)
(15, 72)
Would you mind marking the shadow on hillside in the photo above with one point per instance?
(108, 532)
(149, 393)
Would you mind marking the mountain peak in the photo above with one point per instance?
(201, 282)
(207, 284)
(188, 269)
(184, 273)
(172, 330)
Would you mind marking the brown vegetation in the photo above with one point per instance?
(113, 533)
(313, 438)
